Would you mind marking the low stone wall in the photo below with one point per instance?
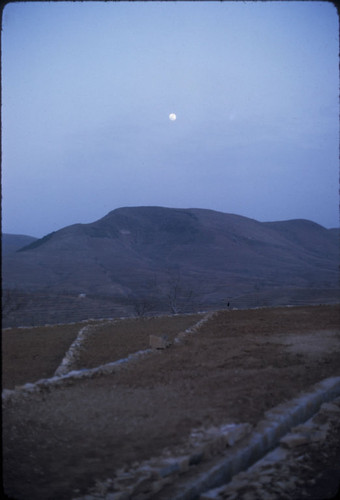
(195, 328)
(276, 475)
(72, 355)
(240, 445)
(151, 476)
(266, 435)
(72, 376)
(64, 374)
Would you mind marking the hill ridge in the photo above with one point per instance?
(161, 259)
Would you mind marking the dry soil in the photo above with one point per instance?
(57, 443)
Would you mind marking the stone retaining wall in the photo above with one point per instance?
(276, 475)
(149, 477)
(266, 435)
(241, 446)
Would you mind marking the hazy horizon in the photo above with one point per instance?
(88, 87)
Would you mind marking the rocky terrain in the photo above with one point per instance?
(157, 423)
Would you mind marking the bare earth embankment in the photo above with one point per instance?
(59, 442)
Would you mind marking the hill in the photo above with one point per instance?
(12, 242)
(143, 259)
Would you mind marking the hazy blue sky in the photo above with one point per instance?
(87, 88)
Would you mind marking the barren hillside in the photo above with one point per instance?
(157, 260)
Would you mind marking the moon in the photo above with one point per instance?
(172, 117)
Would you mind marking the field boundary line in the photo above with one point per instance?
(242, 445)
(72, 355)
(63, 379)
(266, 435)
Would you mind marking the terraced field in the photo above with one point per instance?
(66, 437)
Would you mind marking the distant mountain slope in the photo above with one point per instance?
(169, 256)
(13, 242)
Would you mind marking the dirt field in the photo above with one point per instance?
(113, 341)
(30, 354)
(239, 364)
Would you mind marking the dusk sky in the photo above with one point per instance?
(87, 89)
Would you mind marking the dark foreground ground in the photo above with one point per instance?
(57, 443)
